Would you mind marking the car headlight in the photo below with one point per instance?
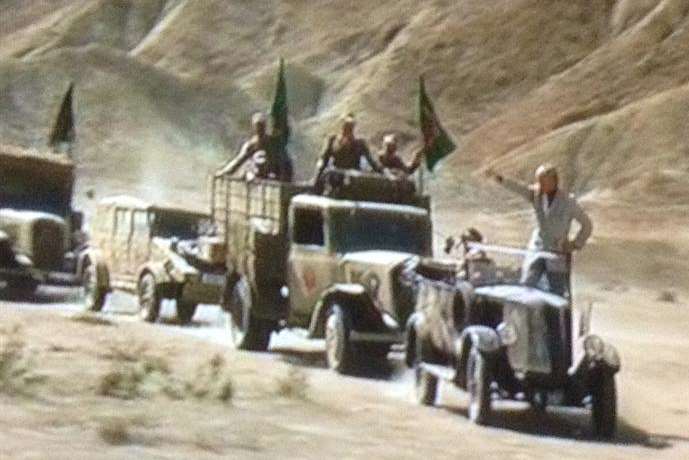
(507, 333)
(594, 347)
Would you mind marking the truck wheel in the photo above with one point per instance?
(185, 311)
(247, 332)
(478, 387)
(604, 406)
(426, 383)
(149, 297)
(339, 351)
(94, 292)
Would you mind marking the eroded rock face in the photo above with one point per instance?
(162, 84)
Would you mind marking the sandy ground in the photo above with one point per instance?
(63, 416)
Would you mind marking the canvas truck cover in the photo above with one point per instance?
(35, 181)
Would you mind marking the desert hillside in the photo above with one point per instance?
(597, 86)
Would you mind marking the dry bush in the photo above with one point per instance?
(16, 364)
(115, 431)
(294, 385)
(136, 373)
(667, 296)
(91, 319)
(212, 381)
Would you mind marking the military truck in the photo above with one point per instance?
(40, 232)
(331, 263)
(157, 252)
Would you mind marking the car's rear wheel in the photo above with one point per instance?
(246, 330)
(185, 311)
(94, 292)
(150, 298)
(426, 384)
(478, 387)
(604, 406)
(339, 351)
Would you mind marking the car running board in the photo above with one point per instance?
(442, 372)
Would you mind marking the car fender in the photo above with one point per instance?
(158, 270)
(93, 256)
(340, 293)
(483, 337)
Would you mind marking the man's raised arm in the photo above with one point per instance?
(513, 185)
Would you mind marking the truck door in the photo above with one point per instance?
(141, 240)
(120, 244)
(311, 265)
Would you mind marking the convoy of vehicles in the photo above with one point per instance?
(497, 339)
(157, 252)
(352, 265)
(40, 232)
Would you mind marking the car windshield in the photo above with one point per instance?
(182, 226)
(486, 265)
(392, 231)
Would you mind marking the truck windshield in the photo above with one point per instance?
(182, 226)
(390, 231)
(29, 193)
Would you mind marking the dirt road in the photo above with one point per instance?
(334, 417)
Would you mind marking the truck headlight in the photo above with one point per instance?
(594, 347)
(507, 333)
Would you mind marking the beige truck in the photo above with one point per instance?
(330, 263)
(156, 252)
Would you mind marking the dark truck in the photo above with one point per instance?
(40, 232)
(478, 328)
(330, 263)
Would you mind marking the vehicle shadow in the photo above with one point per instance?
(44, 295)
(568, 423)
(380, 369)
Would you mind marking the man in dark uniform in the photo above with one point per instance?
(391, 161)
(277, 164)
(345, 151)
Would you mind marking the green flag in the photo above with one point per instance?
(439, 144)
(279, 112)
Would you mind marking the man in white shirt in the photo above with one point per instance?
(555, 210)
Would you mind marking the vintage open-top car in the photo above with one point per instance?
(155, 251)
(477, 327)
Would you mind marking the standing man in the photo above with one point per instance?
(277, 165)
(345, 151)
(555, 210)
(391, 161)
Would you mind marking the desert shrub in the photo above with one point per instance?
(115, 431)
(293, 385)
(16, 364)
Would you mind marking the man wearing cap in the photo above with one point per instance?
(275, 160)
(555, 210)
(345, 151)
(391, 161)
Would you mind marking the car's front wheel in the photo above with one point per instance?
(150, 298)
(185, 311)
(426, 384)
(604, 406)
(339, 351)
(94, 291)
(478, 386)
